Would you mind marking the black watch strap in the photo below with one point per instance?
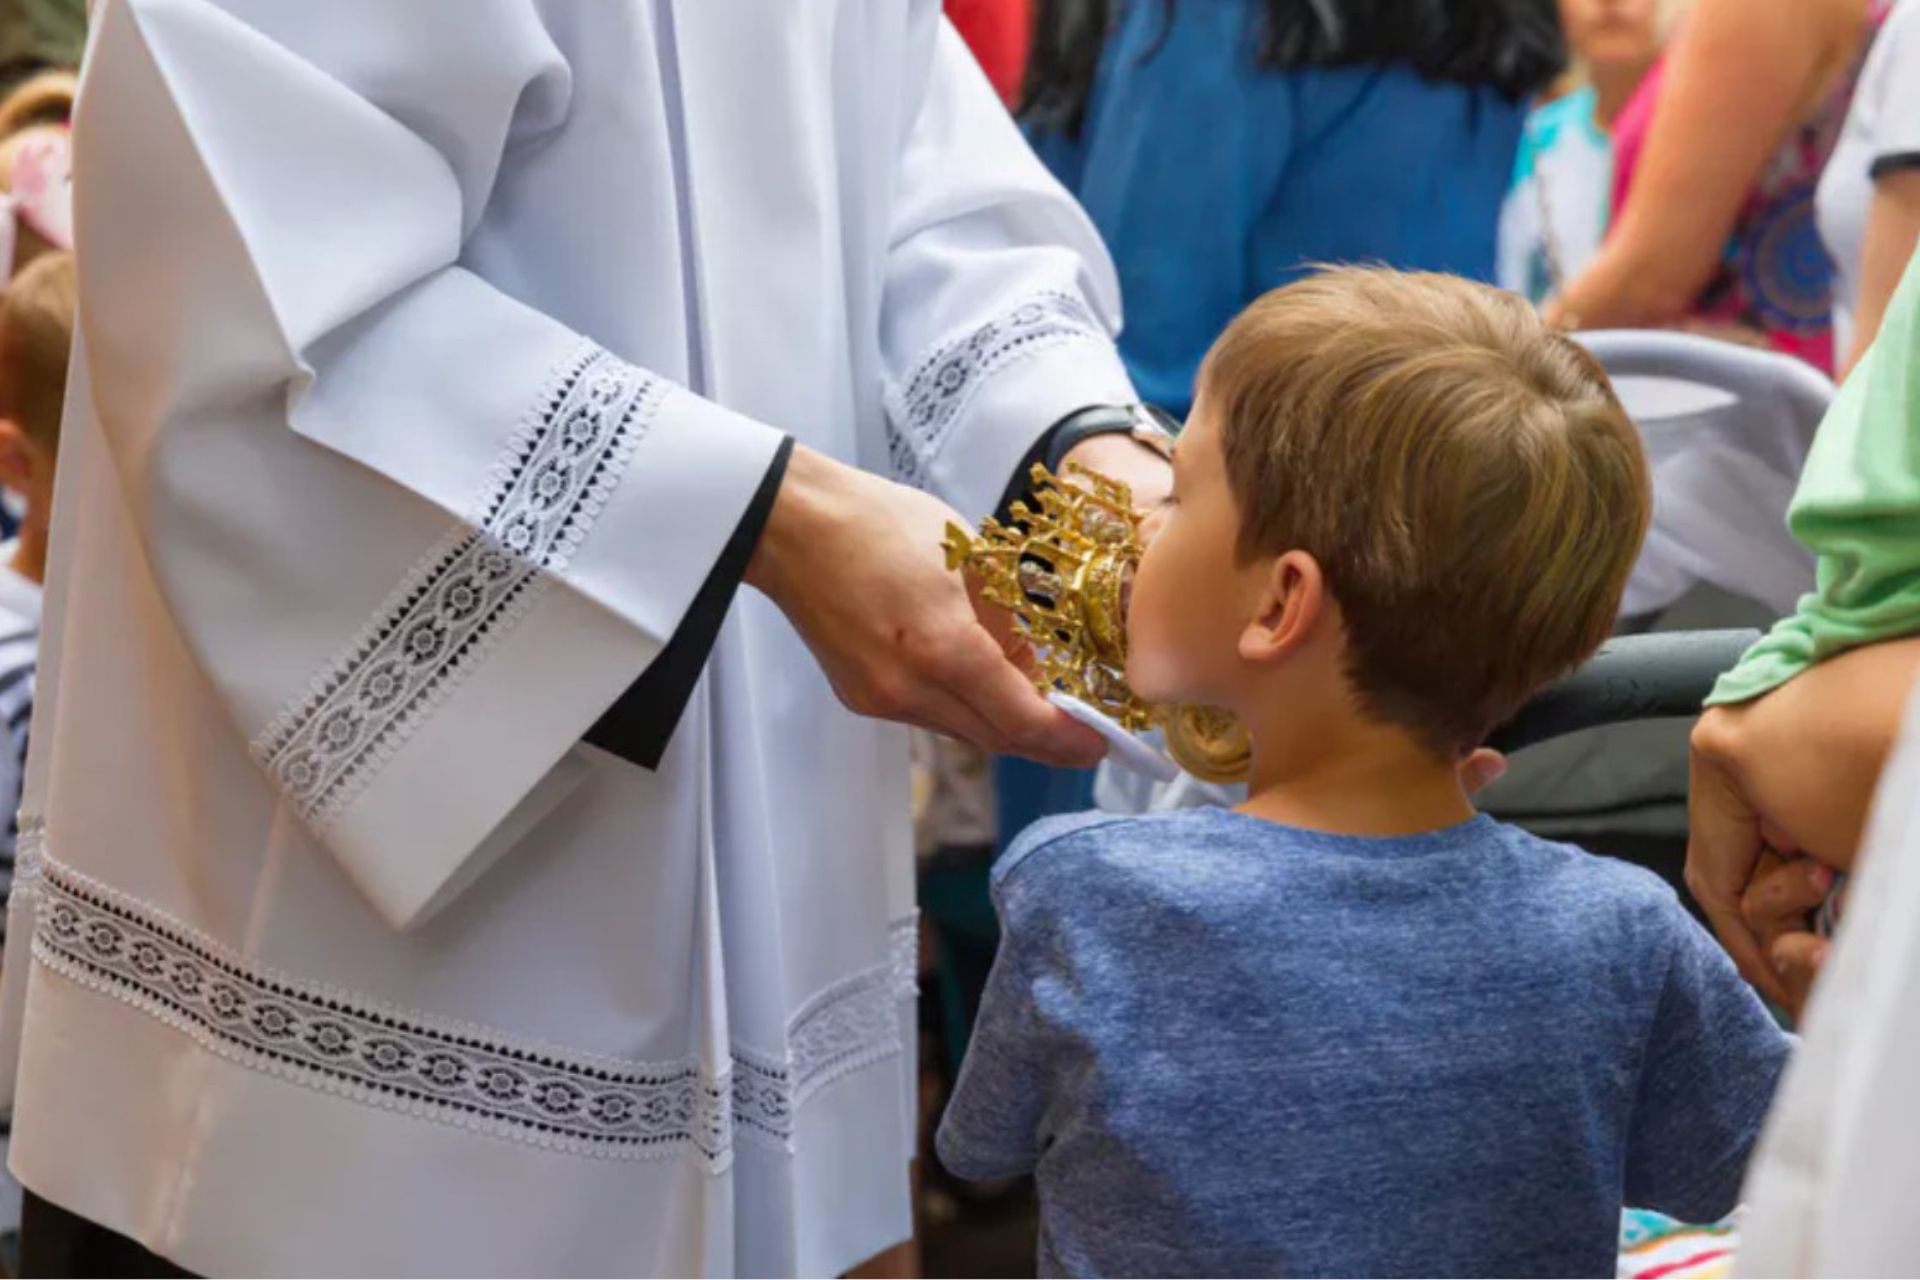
(1147, 423)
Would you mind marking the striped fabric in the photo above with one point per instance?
(19, 654)
(19, 657)
(1655, 1247)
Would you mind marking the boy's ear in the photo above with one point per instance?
(16, 457)
(1290, 604)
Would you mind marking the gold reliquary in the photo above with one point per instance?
(1063, 568)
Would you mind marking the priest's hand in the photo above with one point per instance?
(855, 562)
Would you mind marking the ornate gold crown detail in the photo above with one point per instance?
(1064, 571)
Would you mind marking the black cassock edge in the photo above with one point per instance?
(640, 723)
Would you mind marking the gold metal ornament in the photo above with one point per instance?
(1209, 743)
(1064, 571)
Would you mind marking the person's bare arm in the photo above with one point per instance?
(1893, 229)
(1792, 771)
(1742, 73)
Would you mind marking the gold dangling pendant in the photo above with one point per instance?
(1063, 572)
(1209, 743)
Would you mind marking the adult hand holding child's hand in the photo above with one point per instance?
(1791, 773)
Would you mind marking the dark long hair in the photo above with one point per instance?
(1514, 46)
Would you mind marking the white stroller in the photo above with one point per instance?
(1727, 429)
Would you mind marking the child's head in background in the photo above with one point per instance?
(1617, 34)
(36, 335)
(1401, 506)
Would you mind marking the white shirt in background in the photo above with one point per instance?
(1881, 134)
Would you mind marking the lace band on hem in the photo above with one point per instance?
(472, 1077)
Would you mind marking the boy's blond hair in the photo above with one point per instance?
(1466, 479)
(36, 335)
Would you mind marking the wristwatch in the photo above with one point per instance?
(1150, 425)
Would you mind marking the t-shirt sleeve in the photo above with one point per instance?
(992, 1125)
(1896, 125)
(1713, 1057)
(1855, 509)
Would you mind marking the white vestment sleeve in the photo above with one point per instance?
(418, 534)
(1001, 302)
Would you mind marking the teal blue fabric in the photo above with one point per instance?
(1569, 113)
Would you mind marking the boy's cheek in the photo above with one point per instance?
(1150, 675)
(1154, 651)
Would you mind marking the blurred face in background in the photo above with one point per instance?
(1610, 34)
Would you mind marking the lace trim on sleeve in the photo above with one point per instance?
(922, 411)
(543, 497)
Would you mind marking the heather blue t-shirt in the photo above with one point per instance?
(1228, 1047)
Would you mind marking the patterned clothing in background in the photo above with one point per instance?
(1775, 276)
(1655, 1247)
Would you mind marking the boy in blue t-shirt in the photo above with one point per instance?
(1352, 1027)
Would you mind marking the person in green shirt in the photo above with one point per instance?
(1786, 757)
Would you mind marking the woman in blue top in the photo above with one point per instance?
(1223, 145)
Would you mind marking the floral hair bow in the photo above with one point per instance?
(42, 190)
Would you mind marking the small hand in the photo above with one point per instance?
(1778, 907)
(855, 563)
